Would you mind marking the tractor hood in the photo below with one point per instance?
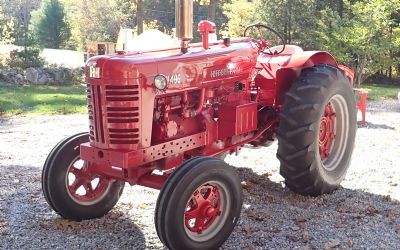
(181, 69)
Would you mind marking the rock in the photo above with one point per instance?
(43, 80)
(295, 228)
(19, 79)
(2, 75)
(332, 244)
(59, 75)
(11, 76)
(43, 76)
(32, 75)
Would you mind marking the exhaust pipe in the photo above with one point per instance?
(184, 22)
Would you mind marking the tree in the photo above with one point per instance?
(98, 20)
(295, 19)
(362, 38)
(6, 28)
(139, 16)
(212, 6)
(212, 10)
(19, 12)
(239, 13)
(49, 25)
(363, 34)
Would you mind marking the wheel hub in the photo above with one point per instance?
(327, 131)
(84, 186)
(202, 208)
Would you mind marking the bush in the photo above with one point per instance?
(3, 60)
(27, 58)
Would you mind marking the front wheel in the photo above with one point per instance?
(69, 186)
(199, 205)
(317, 131)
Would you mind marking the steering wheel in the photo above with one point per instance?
(263, 43)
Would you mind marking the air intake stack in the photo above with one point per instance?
(184, 22)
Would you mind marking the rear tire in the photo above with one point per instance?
(199, 205)
(317, 131)
(222, 155)
(68, 197)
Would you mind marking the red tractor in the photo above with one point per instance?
(164, 119)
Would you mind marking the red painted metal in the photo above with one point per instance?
(349, 73)
(84, 185)
(134, 159)
(362, 102)
(203, 207)
(152, 181)
(327, 132)
(205, 28)
(213, 103)
(237, 119)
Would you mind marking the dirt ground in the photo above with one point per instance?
(363, 214)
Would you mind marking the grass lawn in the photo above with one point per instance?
(381, 92)
(72, 99)
(42, 99)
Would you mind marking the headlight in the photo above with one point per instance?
(160, 82)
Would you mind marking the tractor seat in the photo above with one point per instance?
(289, 49)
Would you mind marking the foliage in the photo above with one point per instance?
(362, 38)
(19, 12)
(6, 28)
(240, 13)
(98, 20)
(49, 25)
(26, 58)
(364, 34)
(42, 99)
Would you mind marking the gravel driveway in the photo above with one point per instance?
(363, 214)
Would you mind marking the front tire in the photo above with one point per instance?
(71, 189)
(317, 131)
(199, 205)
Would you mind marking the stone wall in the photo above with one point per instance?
(43, 76)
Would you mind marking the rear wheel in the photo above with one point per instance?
(71, 189)
(222, 155)
(317, 131)
(199, 205)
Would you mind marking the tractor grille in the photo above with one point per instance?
(114, 115)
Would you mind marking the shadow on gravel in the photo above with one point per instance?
(4, 123)
(370, 125)
(27, 222)
(275, 217)
(383, 106)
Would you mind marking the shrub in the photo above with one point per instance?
(27, 58)
(3, 60)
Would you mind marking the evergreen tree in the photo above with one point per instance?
(49, 25)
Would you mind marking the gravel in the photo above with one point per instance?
(363, 214)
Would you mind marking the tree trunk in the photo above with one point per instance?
(360, 69)
(289, 17)
(139, 16)
(212, 10)
(341, 8)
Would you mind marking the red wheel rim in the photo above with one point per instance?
(327, 132)
(202, 209)
(84, 186)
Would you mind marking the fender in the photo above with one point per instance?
(292, 68)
